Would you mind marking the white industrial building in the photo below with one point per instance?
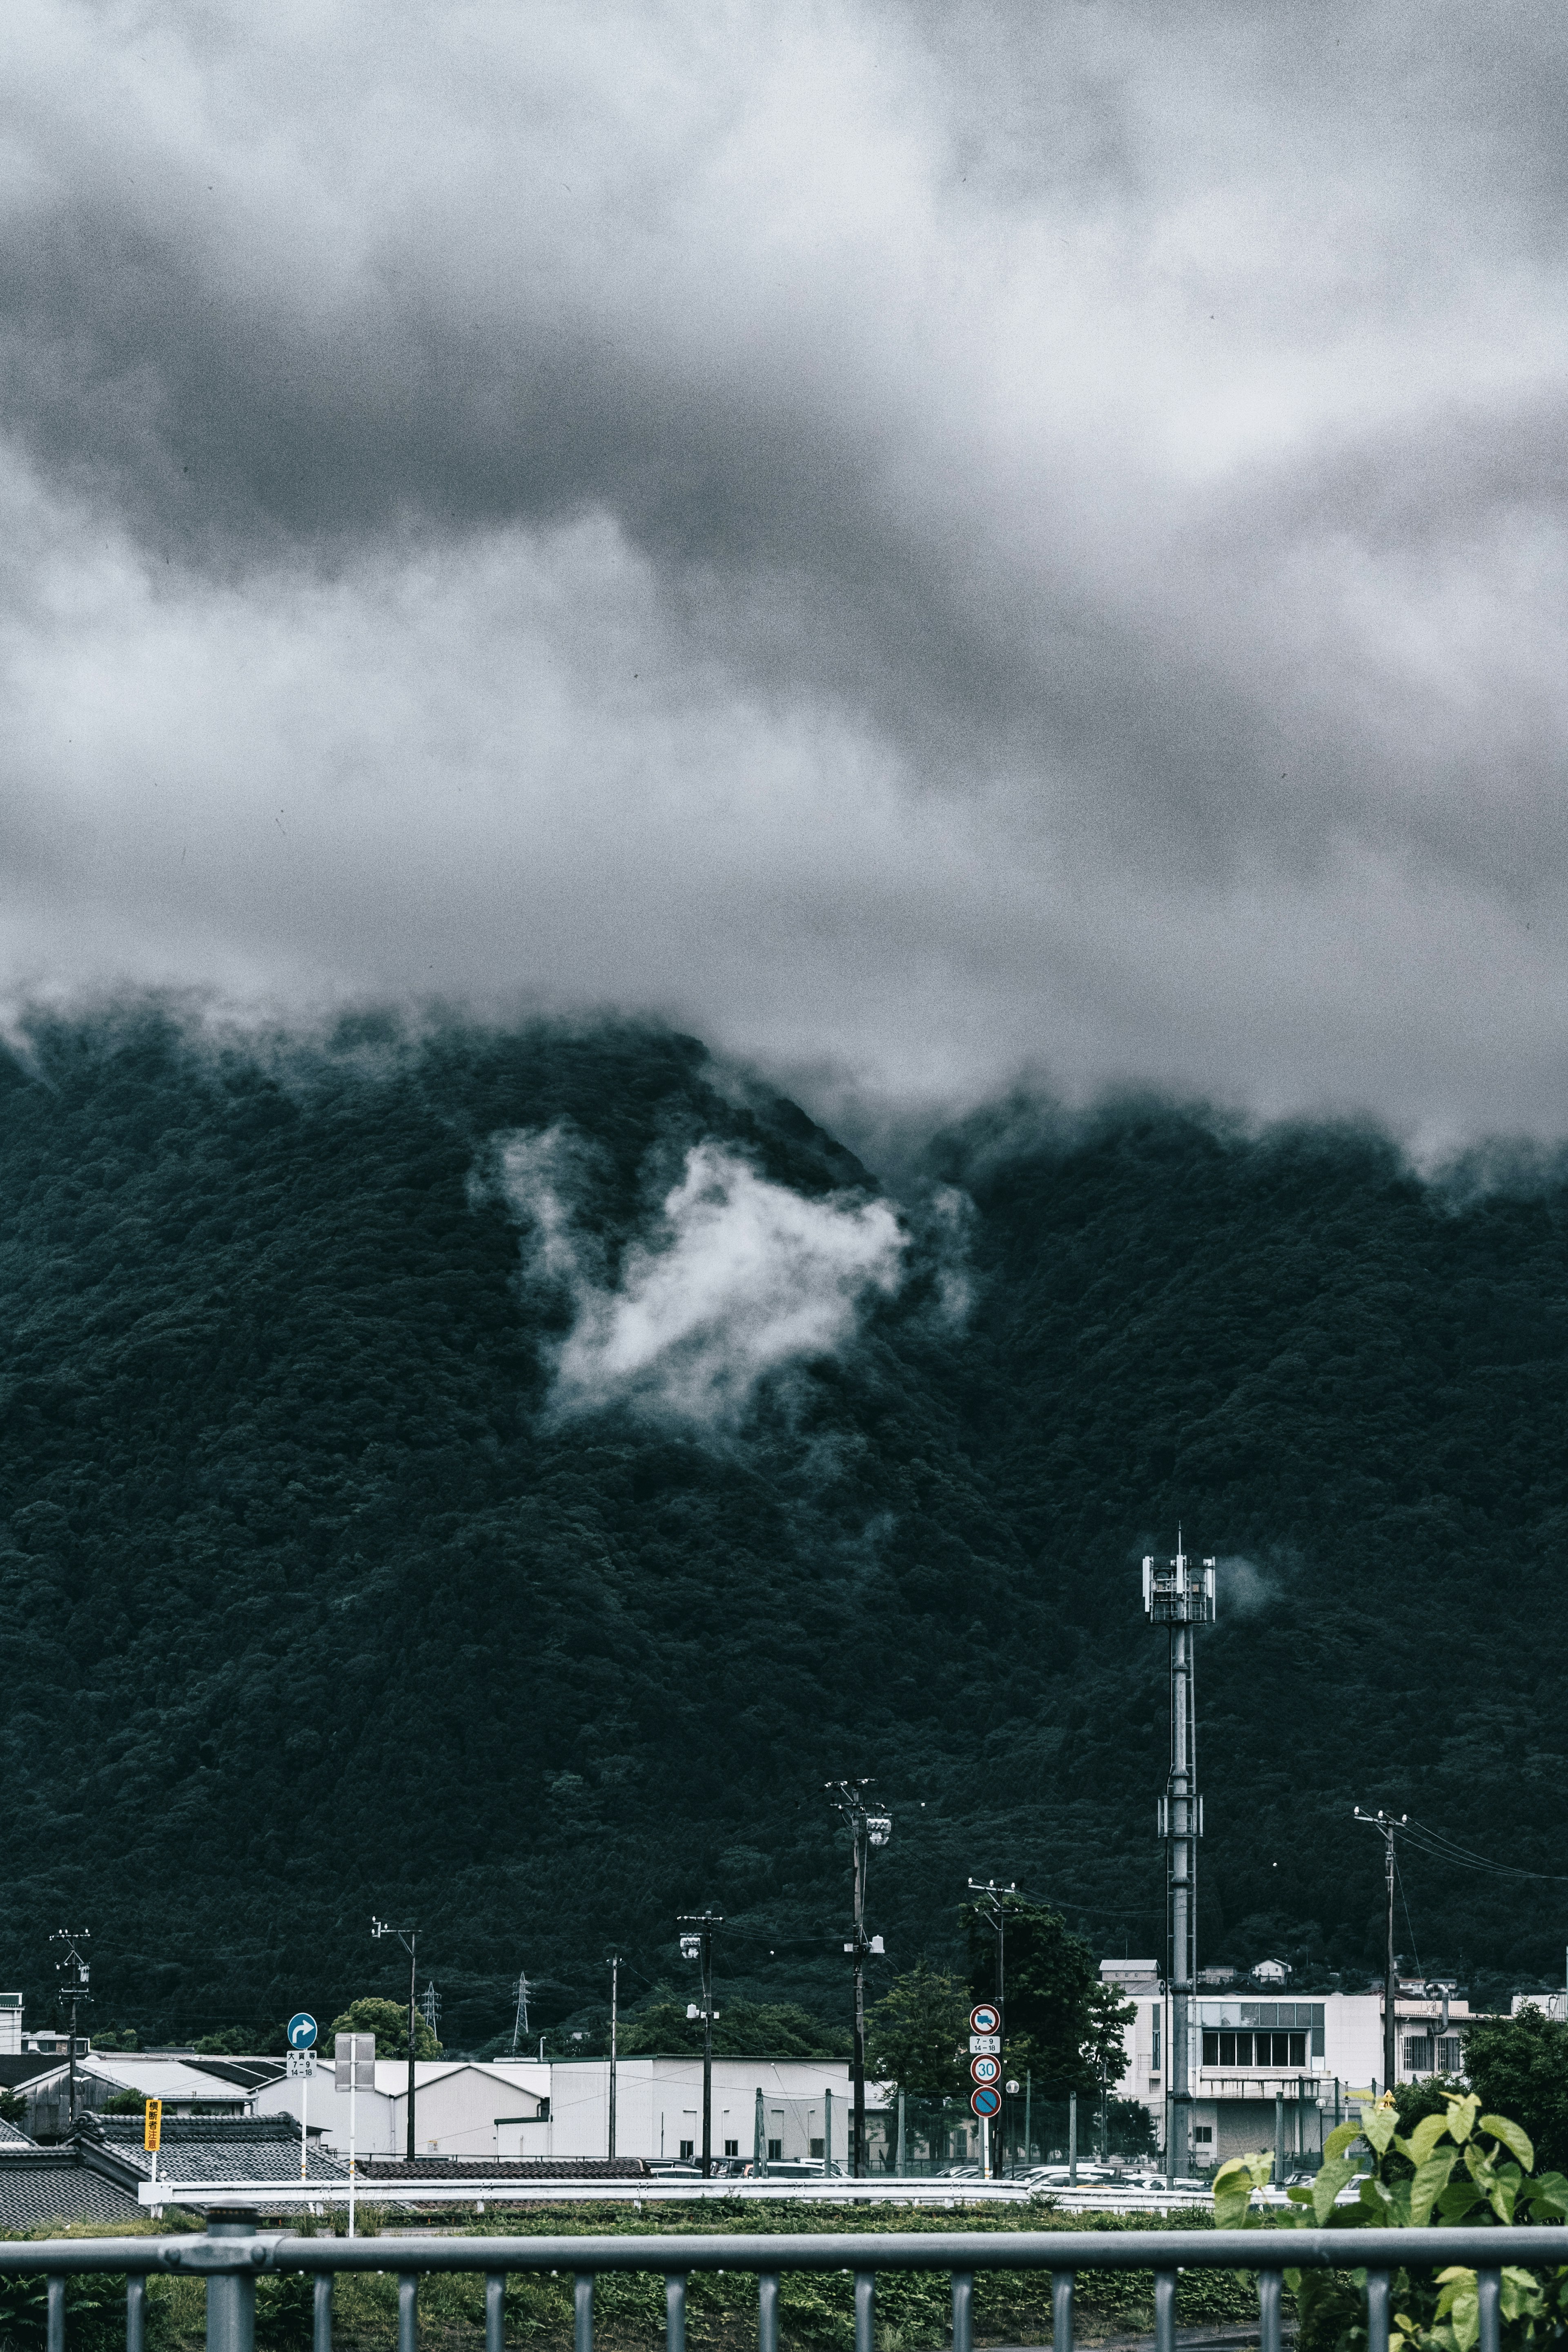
(521, 2107)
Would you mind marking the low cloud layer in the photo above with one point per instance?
(921, 543)
(739, 1278)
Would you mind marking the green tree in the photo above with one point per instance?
(235, 2042)
(1104, 2047)
(1051, 1982)
(914, 2033)
(742, 2028)
(388, 2021)
(1519, 2067)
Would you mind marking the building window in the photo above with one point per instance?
(1418, 2053)
(732, 2147)
(816, 2148)
(775, 2151)
(1203, 2135)
(688, 2147)
(1154, 2061)
(1254, 2049)
(1450, 2055)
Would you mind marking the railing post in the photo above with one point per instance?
(1489, 2310)
(1377, 2299)
(495, 2311)
(675, 2312)
(582, 2312)
(57, 2321)
(136, 2311)
(1270, 2285)
(1061, 2285)
(963, 2311)
(865, 2310)
(408, 2310)
(322, 2313)
(1164, 2312)
(231, 2301)
(767, 2311)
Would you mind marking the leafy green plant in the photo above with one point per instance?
(1458, 2168)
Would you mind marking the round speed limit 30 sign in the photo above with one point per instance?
(985, 2070)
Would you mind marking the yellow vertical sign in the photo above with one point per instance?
(153, 2134)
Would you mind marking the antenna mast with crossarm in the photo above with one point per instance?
(1179, 1593)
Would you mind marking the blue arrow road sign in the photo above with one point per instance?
(301, 2031)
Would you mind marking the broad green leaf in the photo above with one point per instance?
(1330, 2178)
(1521, 2296)
(1424, 2137)
(1548, 2190)
(1431, 2179)
(1398, 2195)
(1457, 2199)
(1462, 2115)
(1342, 2138)
(1233, 2186)
(1504, 2189)
(1513, 2137)
(1379, 2124)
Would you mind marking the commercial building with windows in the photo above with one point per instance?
(1279, 2074)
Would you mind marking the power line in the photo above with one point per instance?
(1439, 1847)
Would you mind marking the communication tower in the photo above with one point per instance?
(1179, 1593)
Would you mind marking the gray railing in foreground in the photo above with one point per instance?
(235, 2253)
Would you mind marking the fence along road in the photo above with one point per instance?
(234, 2253)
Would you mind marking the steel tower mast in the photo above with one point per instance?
(1179, 1593)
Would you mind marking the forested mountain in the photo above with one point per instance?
(498, 1478)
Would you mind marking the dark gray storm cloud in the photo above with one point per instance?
(925, 542)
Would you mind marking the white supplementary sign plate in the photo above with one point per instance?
(990, 2043)
(301, 2061)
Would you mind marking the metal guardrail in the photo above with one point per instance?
(233, 2253)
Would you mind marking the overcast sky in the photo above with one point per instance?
(922, 542)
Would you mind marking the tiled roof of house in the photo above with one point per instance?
(208, 2147)
(40, 2185)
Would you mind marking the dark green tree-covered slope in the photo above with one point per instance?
(314, 1606)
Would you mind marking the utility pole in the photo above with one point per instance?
(867, 1828)
(696, 1944)
(1387, 1827)
(73, 1974)
(408, 1937)
(991, 1906)
(1179, 1593)
(614, 2019)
